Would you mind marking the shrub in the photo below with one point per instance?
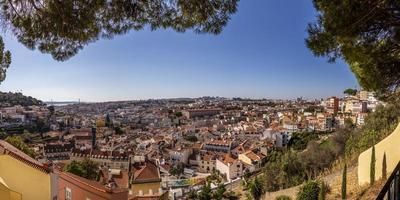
(283, 170)
(256, 188)
(378, 125)
(324, 189)
(19, 143)
(309, 191)
(86, 168)
(283, 197)
(299, 140)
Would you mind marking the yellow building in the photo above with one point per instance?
(22, 176)
(146, 181)
(100, 123)
(6, 193)
(251, 158)
(389, 146)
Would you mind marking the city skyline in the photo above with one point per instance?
(260, 54)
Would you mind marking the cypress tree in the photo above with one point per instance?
(344, 182)
(384, 167)
(322, 191)
(372, 167)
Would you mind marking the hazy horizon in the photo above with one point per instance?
(260, 54)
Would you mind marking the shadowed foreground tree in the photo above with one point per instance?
(5, 60)
(366, 34)
(62, 28)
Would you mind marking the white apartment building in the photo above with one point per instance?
(231, 167)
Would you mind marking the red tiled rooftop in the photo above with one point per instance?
(19, 155)
(89, 183)
(147, 172)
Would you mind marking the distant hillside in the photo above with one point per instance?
(12, 99)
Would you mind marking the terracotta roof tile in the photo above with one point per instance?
(227, 159)
(19, 155)
(148, 172)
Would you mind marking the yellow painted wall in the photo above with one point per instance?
(145, 187)
(100, 123)
(245, 159)
(15, 196)
(7, 194)
(391, 146)
(4, 192)
(24, 179)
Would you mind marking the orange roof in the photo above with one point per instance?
(253, 156)
(72, 178)
(227, 159)
(197, 145)
(208, 157)
(239, 148)
(148, 172)
(219, 142)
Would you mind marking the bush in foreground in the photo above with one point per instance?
(283, 197)
(309, 191)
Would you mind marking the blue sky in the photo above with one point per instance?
(260, 54)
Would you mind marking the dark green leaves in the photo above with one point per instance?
(5, 60)
(366, 34)
(85, 168)
(63, 27)
(350, 91)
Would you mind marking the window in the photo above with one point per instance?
(68, 194)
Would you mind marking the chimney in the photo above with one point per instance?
(93, 138)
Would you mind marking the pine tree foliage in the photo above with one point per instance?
(5, 60)
(62, 28)
(366, 34)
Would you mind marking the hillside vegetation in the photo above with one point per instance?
(322, 157)
(12, 99)
(378, 125)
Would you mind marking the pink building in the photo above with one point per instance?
(71, 187)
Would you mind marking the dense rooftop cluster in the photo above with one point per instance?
(169, 147)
